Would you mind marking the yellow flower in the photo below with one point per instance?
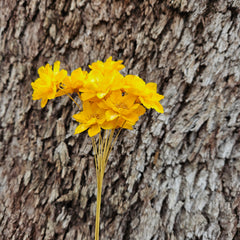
(99, 84)
(109, 65)
(122, 108)
(109, 101)
(147, 93)
(92, 117)
(46, 86)
(74, 83)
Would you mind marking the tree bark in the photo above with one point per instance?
(176, 175)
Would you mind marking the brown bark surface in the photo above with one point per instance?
(176, 175)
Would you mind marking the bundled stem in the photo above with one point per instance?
(101, 154)
(99, 193)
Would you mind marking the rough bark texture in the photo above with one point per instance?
(176, 175)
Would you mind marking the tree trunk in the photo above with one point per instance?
(176, 175)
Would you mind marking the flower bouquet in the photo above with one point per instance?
(110, 101)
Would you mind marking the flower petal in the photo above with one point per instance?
(111, 115)
(56, 67)
(81, 128)
(94, 130)
(44, 102)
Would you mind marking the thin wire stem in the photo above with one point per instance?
(74, 101)
(98, 207)
(94, 150)
(109, 147)
(102, 151)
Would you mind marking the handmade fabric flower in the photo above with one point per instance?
(45, 87)
(74, 83)
(122, 107)
(146, 93)
(109, 65)
(92, 117)
(98, 85)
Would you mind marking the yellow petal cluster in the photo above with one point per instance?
(109, 99)
(46, 86)
(73, 83)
